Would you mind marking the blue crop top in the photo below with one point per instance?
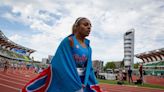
(80, 54)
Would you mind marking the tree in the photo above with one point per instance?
(110, 65)
(136, 66)
(122, 64)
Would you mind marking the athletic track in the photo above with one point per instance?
(13, 81)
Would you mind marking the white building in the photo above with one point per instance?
(49, 58)
(98, 65)
(129, 48)
(44, 60)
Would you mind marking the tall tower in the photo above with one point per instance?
(129, 48)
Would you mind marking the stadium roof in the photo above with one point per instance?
(4, 41)
(150, 56)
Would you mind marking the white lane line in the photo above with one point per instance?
(9, 86)
(18, 73)
(18, 76)
(12, 82)
(13, 78)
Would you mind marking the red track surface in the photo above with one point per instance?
(14, 81)
(122, 88)
(152, 80)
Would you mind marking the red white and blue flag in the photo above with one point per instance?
(62, 76)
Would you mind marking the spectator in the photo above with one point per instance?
(130, 79)
(6, 65)
(140, 71)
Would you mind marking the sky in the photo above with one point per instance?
(42, 24)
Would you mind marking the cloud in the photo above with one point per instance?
(16, 37)
(110, 20)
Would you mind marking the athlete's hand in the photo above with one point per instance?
(83, 86)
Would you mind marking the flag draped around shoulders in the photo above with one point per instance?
(62, 76)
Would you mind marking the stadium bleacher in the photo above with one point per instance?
(13, 51)
(153, 62)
